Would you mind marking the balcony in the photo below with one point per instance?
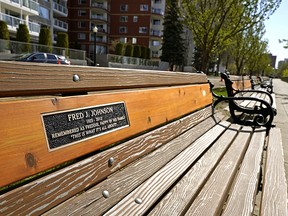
(28, 6)
(60, 25)
(13, 22)
(155, 33)
(99, 5)
(60, 9)
(97, 17)
(157, 11)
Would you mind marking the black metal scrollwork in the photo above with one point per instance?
(261, 114)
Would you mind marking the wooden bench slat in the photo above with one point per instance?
(274, 198)
(125, 181)
(29, 79)
(214, 193)
(180, 196)
(143, 110)
(85, 173)
(243, 194)
(156, 186)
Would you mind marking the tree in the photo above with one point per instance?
(214, 23)
(173, 45)
(45, 39)
(22, 35)
(247, 49)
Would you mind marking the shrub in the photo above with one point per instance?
(4, 32)
(129, 50)
(23, 35)
(143, 52)
(63, 41)
(119, 48)
(148, 53)
(45, 40)
(137, 51)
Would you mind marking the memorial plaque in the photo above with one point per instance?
(72, 126)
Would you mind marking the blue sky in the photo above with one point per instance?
(277, 28)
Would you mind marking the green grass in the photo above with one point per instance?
(220, 91)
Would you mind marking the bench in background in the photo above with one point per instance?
(128, 142)
(248, 106)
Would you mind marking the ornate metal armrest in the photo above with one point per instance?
(262, 115)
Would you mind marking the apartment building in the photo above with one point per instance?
(136, 22)
(35, 14)
(83, 16)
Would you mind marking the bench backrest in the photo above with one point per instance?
(43, 129)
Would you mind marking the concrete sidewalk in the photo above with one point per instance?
(281, 120)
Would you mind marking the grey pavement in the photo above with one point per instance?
(281, 119)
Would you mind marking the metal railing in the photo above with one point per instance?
(16, 47)
(14, 22)
(132, 60)
(60, 8)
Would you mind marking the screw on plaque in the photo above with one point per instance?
(76, 78)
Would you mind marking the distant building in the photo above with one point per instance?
(272, 60)
(35, 14)
(280, 63)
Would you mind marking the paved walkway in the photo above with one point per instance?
(281, 120)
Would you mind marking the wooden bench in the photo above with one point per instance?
(129, 142)
(258, 83)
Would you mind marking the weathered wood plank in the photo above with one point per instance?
(214, 193)
(180, 196)
(156, 186)
(18, 79)
(242, 196)
(145, 108)
(274, 198)
(90, 171)
(122, 183)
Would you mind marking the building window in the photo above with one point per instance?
(134, 40)
(123, 29)
(135, 18)
(123, 40)
(81, 36)
(155, 54)
(82, 2)
(143, 30)
(82, 13)
(144, 7)
(83, 47)
(82, 24)
(44, 12)
(123, 18)
(158, 1)
(156, 43)
(124, 7)
(156, 22)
